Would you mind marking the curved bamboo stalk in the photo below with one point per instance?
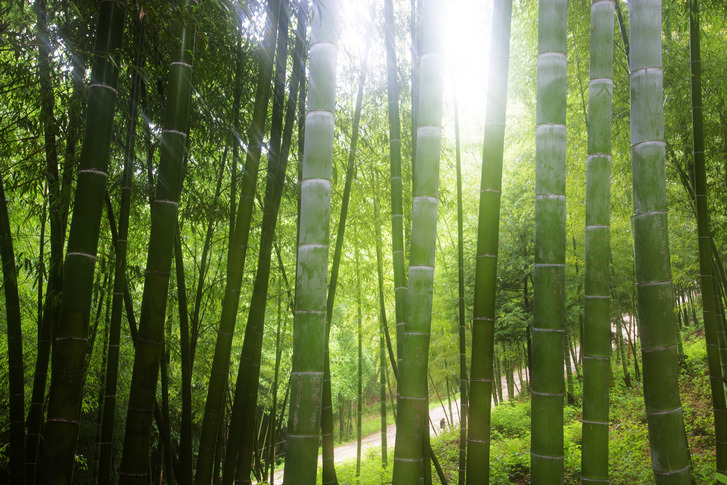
(244, 409)
(597, 326)
(382, 322)
(667, 439)
(397, 211)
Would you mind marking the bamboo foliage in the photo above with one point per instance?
(483, 327)
(310, 290)
(547, 385)
(413, 411)
(667, 439)
(597, 326)
(464, 399)
(150, 339)
(61, 429)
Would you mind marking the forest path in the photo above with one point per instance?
(347, 451)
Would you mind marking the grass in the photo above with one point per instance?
(629, 458)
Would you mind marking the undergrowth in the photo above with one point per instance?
(629, 458)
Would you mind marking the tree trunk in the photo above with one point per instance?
(705, 250)
(397, 211)
(329, 470)
(242, 423)
(483, 326)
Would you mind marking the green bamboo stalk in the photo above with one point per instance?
(329, 471)
(150, 339)
(106, 449)
(244, 409)
(359, 382)
(667, 439)
(61, 430)
(547, 385)
(312, 268)
(16, 394)
(185, 432)
(483, 326)
(203, 269)
(413, 412)
(705, 250)
(382, 324)
(237, 252)
(597, 326)
(397, 211)
(463, 384)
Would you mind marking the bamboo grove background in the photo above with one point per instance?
(228, 227)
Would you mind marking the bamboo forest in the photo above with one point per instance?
(363, 242)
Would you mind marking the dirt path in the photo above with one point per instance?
(347, 451)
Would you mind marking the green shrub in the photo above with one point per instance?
(511, 420)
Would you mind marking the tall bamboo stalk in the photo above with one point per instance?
(483, 326)
(64, 405)
(597, 326)
(547, 385)
(397, 211)
(413, 411)
(463, 384)
(359, 381)
(244, 410)
(106, 450)
(382, 324)
(150, 339)
(329, 471)
(667, 439)
(237, 252)
(16, 392)
(310, 290)
(704, 238)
